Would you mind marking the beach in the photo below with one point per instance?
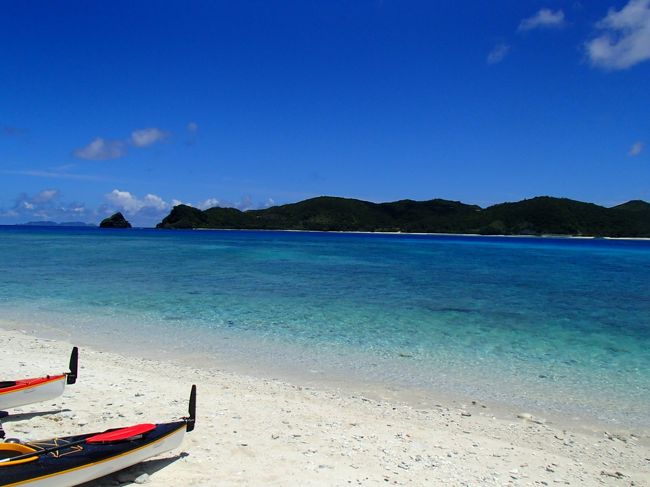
(253, 430)
(388, 243)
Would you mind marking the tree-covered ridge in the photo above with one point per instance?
(537, 216)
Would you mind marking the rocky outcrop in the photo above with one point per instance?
(115, 221)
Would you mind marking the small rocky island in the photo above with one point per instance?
(115, 221)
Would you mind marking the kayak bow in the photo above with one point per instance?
(28, 391)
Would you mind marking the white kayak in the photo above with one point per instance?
(15, 393)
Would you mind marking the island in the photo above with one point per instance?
(116, 220)
(543, 215)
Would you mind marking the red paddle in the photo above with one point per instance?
(121, 434)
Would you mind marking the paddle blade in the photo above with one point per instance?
(191, 420)
(121, 434)
(74, 366)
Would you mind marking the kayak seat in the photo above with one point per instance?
(10, 450)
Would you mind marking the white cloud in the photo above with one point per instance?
(101, 149)
(498, 53)
(147, 137)
(209, 203)
(625, 40)
(636, 149)
(46, 195)
(544, 19)
(246, 203)
(130, 204)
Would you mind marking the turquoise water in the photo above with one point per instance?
(553, 324)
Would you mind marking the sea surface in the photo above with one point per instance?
(550, 324)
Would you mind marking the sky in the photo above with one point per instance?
(139, 106)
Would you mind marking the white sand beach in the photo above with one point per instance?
(255, 431)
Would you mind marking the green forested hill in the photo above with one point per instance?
(537, 216)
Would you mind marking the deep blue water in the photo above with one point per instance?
(557, 324)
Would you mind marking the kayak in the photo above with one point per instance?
(28, 391)
(73, 460)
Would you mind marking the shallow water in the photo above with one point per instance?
(554, 324)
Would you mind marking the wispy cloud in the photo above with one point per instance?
(55, 174)
(11, 131)
(625, 37)
(101, 150)
(192, 132)
(45, 196)
(636, 149)
(148, 136)
(246, 203)
(46, 205)
(209, 203)
(140, 210)
(543, 19)
(498, 53)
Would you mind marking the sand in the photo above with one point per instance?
(266, 432)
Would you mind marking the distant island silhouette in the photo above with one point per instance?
(543, 215)
(48, 223)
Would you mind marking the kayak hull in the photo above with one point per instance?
(29, 391)
(83, 463)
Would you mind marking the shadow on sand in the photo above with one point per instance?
(11, 418)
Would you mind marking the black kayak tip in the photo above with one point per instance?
(74, 366)
(191, 419)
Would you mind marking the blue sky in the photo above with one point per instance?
(135, 106)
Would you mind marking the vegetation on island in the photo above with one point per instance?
(115, 221)
(542, 215)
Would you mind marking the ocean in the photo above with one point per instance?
(545, 324)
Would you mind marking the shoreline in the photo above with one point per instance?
(314, 375)
(353, 232)
(318, 376)
(280, 433)
(422, 234)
